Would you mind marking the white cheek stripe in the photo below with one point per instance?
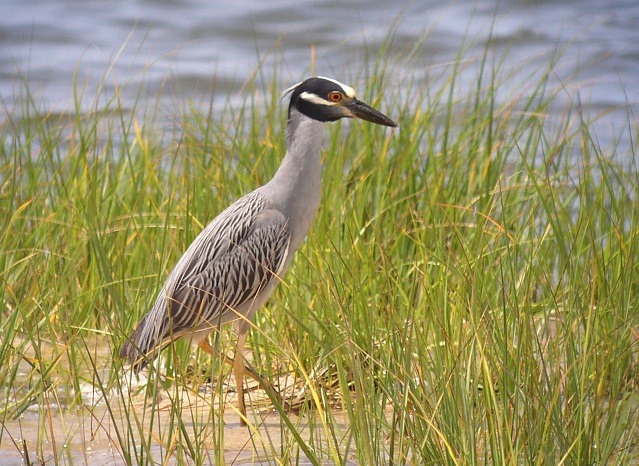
(314, 98)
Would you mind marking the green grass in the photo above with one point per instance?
(468, 294)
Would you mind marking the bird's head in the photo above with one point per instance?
(325, 99)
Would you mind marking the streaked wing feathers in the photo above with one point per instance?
(233, 279)
(235, 257)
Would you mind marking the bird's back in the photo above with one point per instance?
(225, 268)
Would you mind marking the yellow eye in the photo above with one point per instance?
(335, 96)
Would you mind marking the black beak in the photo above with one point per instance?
(361, 110)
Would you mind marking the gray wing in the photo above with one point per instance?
(226, 267)
(227, 285)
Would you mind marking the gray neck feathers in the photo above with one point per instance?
(296, 187)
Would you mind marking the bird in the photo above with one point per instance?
(238, 259)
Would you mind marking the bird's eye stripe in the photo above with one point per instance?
(315, 99)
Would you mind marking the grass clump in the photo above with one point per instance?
(468, 293)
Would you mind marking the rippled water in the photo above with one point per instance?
(182, 45)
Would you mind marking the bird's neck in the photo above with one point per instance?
(296, 186)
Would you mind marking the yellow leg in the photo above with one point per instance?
(206, 346)
(238, 367)
(239, 370)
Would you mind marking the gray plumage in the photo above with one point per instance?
(221, 277)
(235, 263)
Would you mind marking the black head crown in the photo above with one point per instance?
(325, 99)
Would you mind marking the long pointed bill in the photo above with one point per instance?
(361, 110)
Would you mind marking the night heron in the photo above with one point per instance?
(236, 262)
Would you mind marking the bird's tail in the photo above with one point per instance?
(142, 346)
(130, 352)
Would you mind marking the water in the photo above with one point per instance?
(94, 431)
(192, 48)
(184, 47)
